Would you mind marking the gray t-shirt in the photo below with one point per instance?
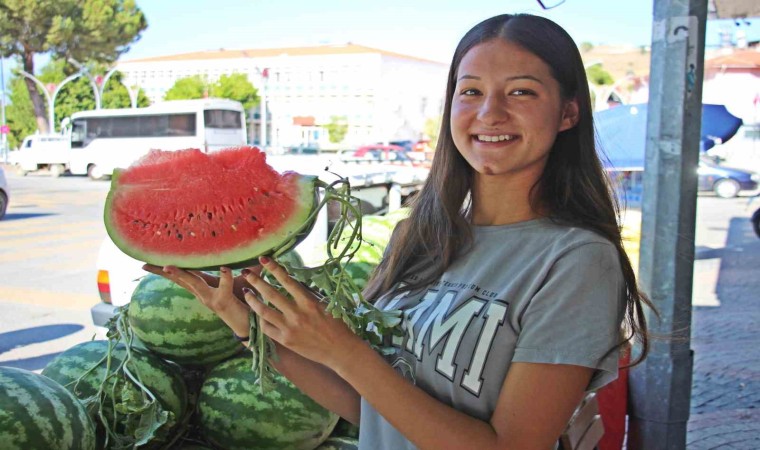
(533, 291)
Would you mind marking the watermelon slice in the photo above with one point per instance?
(202, 211)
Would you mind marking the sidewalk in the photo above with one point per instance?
(725, 397)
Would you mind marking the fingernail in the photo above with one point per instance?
(167, 270)
(247, 291)
(224, 269)
(264, 259)
(245, 272)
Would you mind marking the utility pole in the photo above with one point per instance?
(660, 387)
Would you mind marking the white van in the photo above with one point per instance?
(104, 139)
(43, 151)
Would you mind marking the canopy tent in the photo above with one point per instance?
(621, 133)
(730, 9)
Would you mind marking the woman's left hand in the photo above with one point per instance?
(302, 324)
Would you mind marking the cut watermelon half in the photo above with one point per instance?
(202, 211)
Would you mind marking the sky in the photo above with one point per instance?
(424, 28)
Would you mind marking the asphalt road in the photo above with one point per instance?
(51, 234)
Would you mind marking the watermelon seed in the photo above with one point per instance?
(179, 236)
(253, 218)
(213, 234)
(266, 194)
(234, 228)
(190, 216)
(192, 234)
(209, 215)
(158, 233)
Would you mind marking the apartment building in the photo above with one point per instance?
(384, 96)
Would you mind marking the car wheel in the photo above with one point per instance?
(726, 188)
(3, 204)
(95, 173)
(756, 222)
(56, 170)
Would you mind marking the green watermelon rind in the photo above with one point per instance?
(172, 323)
(160, 377)
(293, 230)
(37, 413)
(234, 414)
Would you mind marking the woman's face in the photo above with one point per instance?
(506, 112)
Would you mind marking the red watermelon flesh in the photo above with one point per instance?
(198, 210)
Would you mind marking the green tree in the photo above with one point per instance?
(597, 75)
(236, 87)
(83, 30)
(188, 88)
(75, 96)
(586, 46)
(337, 128)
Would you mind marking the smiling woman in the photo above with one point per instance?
(510, 271)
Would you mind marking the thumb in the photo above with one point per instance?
(225, 279)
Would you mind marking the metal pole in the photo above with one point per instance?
(263, 120)
(3, 136)
(660, 388)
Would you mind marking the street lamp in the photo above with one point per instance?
(3, 126)
(264, 75)
(86, 72)
(50, 96)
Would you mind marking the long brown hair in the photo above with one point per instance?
(574, 186)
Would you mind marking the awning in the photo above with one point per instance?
(621, 133)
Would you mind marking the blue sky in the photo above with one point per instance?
(425, 28)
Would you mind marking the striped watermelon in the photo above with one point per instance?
(339, 443)
(88, 362)
(36, 413)
(234, 414)
(171, 322)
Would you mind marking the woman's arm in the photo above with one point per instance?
(219, 294)
(534, 406)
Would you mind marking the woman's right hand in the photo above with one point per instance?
(223, 295)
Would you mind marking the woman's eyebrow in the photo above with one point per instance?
(512, 78)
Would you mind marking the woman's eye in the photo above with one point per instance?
(469, 91)
(521, 92)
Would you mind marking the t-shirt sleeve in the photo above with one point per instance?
(575, 316)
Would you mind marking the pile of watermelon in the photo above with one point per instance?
(171, 375)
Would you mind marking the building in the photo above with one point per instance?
(733, 79)
(384, 96)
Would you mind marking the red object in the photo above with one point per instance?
(265, 73)
(613, 405)
(51, 87)
(5, 129)
(99, 80)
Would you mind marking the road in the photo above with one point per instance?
(54, 227)
(49, 241)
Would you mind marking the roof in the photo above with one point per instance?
(743, 59)
(321, 50)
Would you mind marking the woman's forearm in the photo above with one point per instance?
(320, 383)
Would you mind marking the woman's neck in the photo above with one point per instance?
(502, 203)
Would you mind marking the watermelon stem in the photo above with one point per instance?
(330, 281)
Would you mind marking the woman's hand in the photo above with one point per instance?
(302, 324)
(222, 295)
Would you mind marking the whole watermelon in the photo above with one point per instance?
(87, 363)
(234, 414)
(171, 322)
(36, 413)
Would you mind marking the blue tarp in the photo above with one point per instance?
(621, 132)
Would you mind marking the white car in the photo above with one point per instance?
(4, 193)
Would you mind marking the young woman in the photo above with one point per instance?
(510, 270)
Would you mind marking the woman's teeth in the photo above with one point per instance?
(503, 137)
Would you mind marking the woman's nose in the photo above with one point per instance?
(493, 110)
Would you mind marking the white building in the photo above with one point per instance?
(384, 96)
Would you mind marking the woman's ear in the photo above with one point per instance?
(570, 113)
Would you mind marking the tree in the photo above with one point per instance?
(236, 87)
(432, 128)
(337, 128)
(188, 88)
(586, 46)
(84, 30)
(73, 97)
(597, 75)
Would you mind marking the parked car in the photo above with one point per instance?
(726, 182)
(43, 151)
(387, 154)
(4, 195)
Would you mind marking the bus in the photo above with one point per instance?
(105, 139)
